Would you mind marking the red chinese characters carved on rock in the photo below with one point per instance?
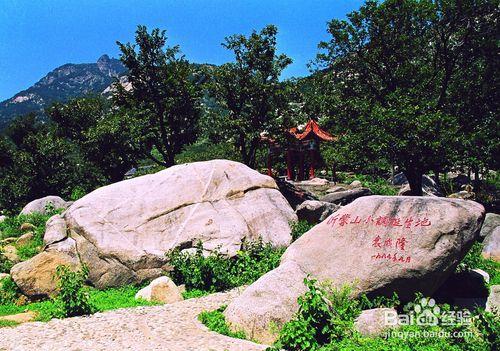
(381, 221)
(392, 257)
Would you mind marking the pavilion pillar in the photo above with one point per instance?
(312, 154)
(301, 165)
(289, 165)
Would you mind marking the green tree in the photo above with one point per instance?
(163, 104)
(96, 130)
(390, 68)
(248, 95)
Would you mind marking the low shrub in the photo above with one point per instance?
(8, 291)
(73, 298)
(217, 272)
(325, 315)
(216, 321)
(5, 264)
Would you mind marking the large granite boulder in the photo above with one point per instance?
(122, 231)
(41, 205)
(377, 244)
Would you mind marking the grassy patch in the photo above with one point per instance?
(4, 324)
(378, 186)
(216, 321)
(194, 293)
(101, 300)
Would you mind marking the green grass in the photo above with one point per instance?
(378, 186)
(216, 321)
(4, 324)
(102, 300)
(194, 293)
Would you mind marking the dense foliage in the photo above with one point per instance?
(249, 99)
(217, 272)
(391, 74)
(163, 107)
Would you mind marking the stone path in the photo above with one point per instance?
(173, 327)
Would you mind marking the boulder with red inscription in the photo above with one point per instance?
(377, 244)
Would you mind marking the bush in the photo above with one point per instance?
(217, 272)
(5, 264)
(73, 298)
(8, 291)
(325, 315)
(216, 321)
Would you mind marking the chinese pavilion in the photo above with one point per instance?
(303, 148)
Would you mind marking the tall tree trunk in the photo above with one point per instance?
(414, 177)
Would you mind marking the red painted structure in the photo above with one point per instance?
(302, 145)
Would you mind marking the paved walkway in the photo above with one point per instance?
(173, 327)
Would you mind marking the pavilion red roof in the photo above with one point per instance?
(312, 127)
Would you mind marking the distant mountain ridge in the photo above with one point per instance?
(63, 83)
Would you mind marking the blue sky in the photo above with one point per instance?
(37, 36)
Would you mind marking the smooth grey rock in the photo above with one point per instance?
(315, 211)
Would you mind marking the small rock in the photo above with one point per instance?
(356, 184)
(162, 289)
(20, 317)
(25, 238)
(315, 182)
(4, 276)
(40, 205)
(491, 221)
(315, 211)
(493, 302)
(373, 322)
(10, 252)
(2, 218)
(26, 226)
